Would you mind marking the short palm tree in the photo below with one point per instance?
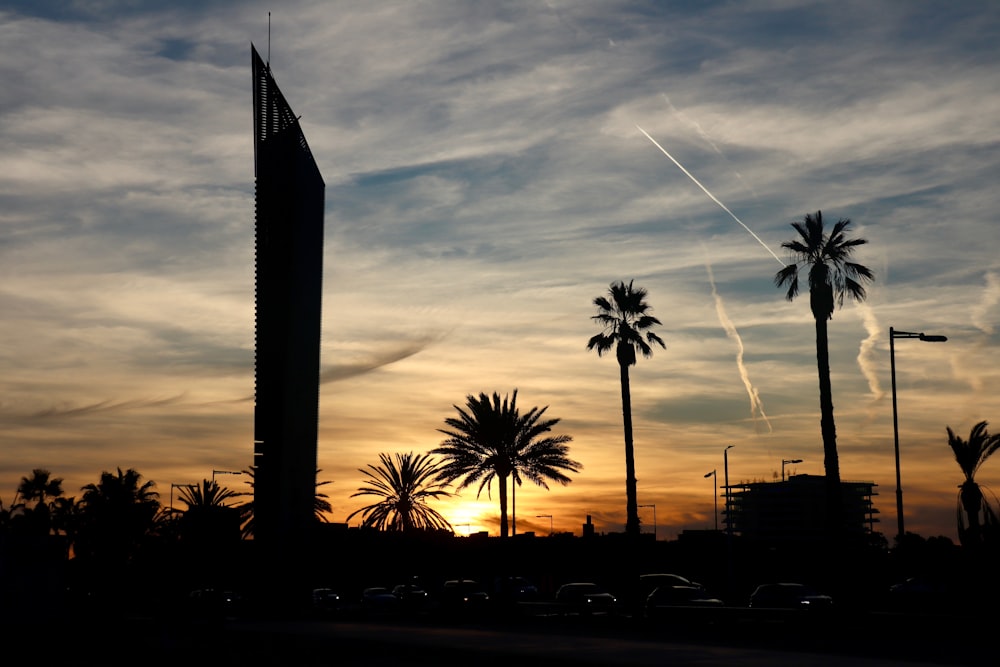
(403, 484)
(117, 513)
(207, 494)
(831, 276)
(624, 318)
(321, 504)
(40, 487)
(209, 514)
(491, 440)
(977, 522)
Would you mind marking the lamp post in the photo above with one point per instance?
(654, 519)
(715, 495)
(783, 462)
(225, 472)
(729, 516)
(729, 520)
(893, 335)
(549, 517)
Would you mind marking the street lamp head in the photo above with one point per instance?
(709, 474)
(794, 461)
(927, 338)
(730, 447)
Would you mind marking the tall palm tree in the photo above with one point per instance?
(624, 318)
(404, 484)
(980, 521)
(40, 486)
(492, 440)
(831, 276)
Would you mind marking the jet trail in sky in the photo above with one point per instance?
(867, 349)
(756, 405)
(711, 196)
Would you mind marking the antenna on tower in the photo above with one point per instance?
(269, 40)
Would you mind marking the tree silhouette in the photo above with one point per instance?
(623, 316)
(492, 440)
(118, 512)
(321, 506)
(40, 486)
(831, 277)
(209, 517)
(404, 484)
(207, 494)
(979, 524)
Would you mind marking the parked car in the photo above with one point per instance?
(929, 593)
(585, 598)
(326, 601)
(650, 582)
(789, 596)
(679, 596)
(411, 597)
(463, 594)
(378, 600)
(513, 590)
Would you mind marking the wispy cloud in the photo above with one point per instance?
(866, 350)
(984, 312)
(756, 405)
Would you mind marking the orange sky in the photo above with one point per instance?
(485, 181)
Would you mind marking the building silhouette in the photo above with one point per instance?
(288, 289)
(794, 510)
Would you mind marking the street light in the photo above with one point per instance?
(729, 521)
(783, 462)
(729, 510)
(893, 335)
(654, 518)
(543, 516)
(225, 472)
(715, 495)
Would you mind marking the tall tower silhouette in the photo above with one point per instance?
(288, 294)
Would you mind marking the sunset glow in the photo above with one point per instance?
(487, 176)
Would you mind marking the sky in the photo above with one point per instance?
(488, 174)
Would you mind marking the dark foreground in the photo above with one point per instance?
(869, 641)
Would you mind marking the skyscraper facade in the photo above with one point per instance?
(288, 298)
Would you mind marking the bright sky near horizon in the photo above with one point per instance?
(486, 179)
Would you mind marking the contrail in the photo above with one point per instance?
(756, 405)
(990, 298)
(711, 196)
(865, 361)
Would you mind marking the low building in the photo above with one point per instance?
(794, 510)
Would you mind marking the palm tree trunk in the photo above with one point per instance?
(503, 506)
(971, 498)
(831, 461)
(631, 501)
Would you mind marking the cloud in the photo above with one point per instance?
(756, 405)
(866, 351)
(984, 313)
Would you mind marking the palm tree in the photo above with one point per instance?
(40, 486)
(208, 494)
(623, 316)
(970, 455)
(404, 485)
(492, 440)
(209, 516)
(321, 504)
(118, 512)
(832, 276)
